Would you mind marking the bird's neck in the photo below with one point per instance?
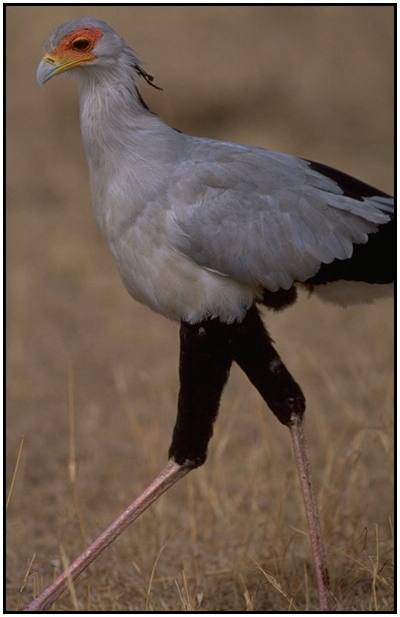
(113, 114)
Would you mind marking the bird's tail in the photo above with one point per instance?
(368, 274)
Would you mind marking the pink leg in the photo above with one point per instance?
(169, 476)
(317, 547)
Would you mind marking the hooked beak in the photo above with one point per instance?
(51, 65)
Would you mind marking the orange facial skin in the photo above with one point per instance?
(77, 46)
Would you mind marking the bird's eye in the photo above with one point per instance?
(81, 44)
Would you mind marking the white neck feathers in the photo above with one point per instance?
(112, 110)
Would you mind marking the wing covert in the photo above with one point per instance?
(266, 219)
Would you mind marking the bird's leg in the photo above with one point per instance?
(169, 476)
(311, 508)
(254, 352)
(205, 360)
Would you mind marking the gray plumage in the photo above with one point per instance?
(266, 218)
(199, 228)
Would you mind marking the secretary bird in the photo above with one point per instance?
(202, 232)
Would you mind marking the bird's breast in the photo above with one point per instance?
(158, 275)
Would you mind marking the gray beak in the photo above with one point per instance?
(46, 70)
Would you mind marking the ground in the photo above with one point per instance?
(92, 377)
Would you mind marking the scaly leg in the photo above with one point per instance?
(204, 368)
(317, 546)
(167, 478)
(254, 352)
(207, 350)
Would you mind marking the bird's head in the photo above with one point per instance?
(81, 44)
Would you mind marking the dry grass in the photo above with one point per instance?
(91, 375)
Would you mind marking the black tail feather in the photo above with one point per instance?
(373, 262)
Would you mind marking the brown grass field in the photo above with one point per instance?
(92, 375)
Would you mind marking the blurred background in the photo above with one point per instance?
(92, 375)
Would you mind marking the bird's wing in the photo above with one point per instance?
(265, 218)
